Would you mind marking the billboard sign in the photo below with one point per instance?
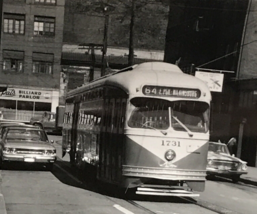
(213, 80)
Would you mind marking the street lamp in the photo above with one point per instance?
(106, 9)
(105, 38)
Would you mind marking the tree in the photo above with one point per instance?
(150, 20)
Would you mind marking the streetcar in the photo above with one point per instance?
(145, 127)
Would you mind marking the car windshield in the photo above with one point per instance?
(218, 148)
(187, 116)
(26, 134)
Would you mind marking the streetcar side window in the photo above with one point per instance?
(123, 109)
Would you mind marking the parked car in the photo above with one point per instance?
(45, 121)
(222, 163)
(26, 144)
(5, 126)
(50, 121)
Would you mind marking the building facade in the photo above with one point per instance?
(30, 55)
(221, 35)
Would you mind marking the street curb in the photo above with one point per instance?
(247, 181)
(2, 201)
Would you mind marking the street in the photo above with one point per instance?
(33, 189)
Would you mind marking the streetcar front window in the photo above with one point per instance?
(190, 114)
(150, 113)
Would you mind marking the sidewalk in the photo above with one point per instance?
(251, 177)
(2, 202)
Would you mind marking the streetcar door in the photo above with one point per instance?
(74, 132)
(111, 142)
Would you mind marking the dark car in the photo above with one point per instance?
(26, 144)
(222, 163)
(49, 121)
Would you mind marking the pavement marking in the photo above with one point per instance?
(70, 175)
(118, 207)
(2, 205)
(235, 198)
(122, 209)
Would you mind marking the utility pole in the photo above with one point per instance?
(1, 15)
(131, 36)
(240, 138)
(92, 69)
(105, 39)
(91, 47)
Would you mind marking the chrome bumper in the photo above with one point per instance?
(211, 171)
(29, 158)
(164, 173)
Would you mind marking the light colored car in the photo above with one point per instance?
(5, 126)
(26, 144)
(222, 163)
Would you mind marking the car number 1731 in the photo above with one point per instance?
(170, 143)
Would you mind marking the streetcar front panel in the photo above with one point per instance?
(167, 140)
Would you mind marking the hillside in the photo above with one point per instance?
(84, 23)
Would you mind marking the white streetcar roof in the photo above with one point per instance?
(149, 73)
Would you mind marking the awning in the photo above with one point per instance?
(13, 54)
(43, 57)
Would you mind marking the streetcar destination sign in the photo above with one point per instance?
(171, 91)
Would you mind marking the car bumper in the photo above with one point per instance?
(28, 158)
(211, 171)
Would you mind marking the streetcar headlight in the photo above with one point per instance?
(170, 155)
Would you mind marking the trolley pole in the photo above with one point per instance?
(105, 39)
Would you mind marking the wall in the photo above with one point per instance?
(30, 43)
(248, 64)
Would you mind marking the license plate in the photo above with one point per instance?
(29, 160)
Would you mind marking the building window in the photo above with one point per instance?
(13, 61)
(44, 26)
(45, 1)
(14, 23)
(43, 63)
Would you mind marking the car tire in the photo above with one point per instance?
(236, 178)
(50, 166)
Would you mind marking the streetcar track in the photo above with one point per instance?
(209, 206)
(140, 207)
(134, 203)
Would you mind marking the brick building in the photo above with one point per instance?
(30, 56)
